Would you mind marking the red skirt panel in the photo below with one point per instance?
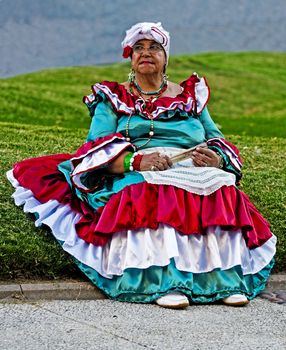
(147, 205)
(144, 205)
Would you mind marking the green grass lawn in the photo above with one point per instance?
(42, 113)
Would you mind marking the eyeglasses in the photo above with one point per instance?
(153, 48)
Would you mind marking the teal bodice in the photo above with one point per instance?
(173, 128)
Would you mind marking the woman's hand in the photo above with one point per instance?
(155, 161)
(206, 157)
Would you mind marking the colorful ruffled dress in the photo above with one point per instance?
(140, 235)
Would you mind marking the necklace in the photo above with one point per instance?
(161, 89)
(141, 92)
(151, 132)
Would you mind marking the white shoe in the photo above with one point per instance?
(173, 301)
(236, 300)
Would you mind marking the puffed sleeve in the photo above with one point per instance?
(104, 144)
(104, 118)
(217, 143)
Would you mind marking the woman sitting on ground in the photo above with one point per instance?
(143, 221)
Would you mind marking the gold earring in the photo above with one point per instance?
(131, 76)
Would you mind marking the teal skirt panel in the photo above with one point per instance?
(145, 286)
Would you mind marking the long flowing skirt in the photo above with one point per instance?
(189, 230)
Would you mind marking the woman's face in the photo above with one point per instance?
(148, 57)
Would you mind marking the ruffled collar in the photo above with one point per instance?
(194, 97)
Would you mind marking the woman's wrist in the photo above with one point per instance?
(221, 161)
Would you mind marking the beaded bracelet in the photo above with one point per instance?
(135, 161)
(131, 161)
(127, 162)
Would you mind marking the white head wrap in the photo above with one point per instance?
(146, 30)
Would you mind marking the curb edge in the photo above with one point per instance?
(79, 290)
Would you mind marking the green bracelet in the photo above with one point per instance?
(127, 161)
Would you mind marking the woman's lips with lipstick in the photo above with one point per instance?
(146, 62)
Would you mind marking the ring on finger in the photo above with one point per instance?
(152, 168)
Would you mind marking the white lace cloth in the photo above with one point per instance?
(198, 180)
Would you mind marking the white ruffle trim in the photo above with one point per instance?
(201, 91)
(95, 158)
(233, 157)
(198, 180)
(143, 248)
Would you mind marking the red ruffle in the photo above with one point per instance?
(147, 205)
(163, 102)
(42, 177)
(144, 205)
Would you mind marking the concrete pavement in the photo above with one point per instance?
(106, 324)
(75, 315)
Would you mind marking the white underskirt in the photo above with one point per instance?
(143, 248)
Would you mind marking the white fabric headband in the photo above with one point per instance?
(146, 30)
